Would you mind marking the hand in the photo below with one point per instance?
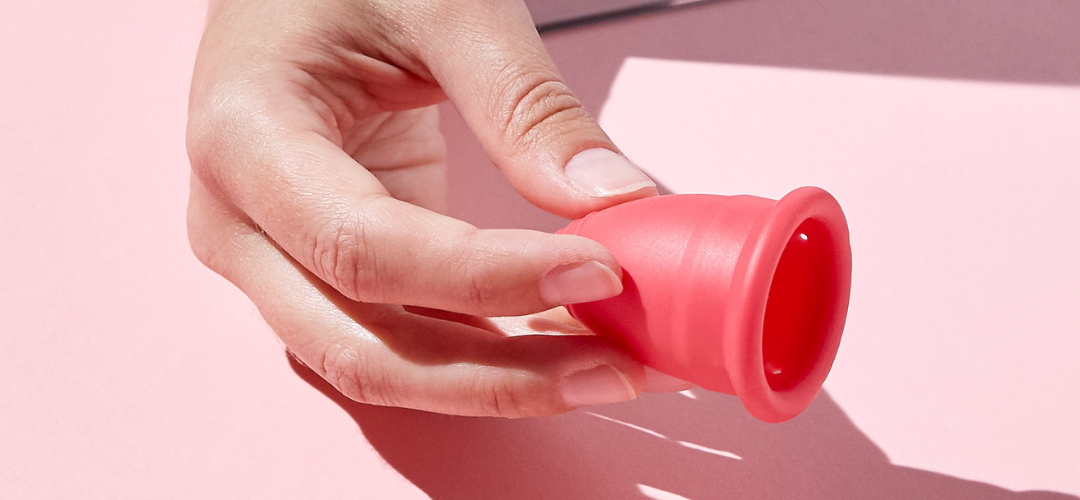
(319, 175)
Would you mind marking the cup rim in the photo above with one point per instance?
(745, 309)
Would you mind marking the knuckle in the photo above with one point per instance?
(342, 255)
(480, 292)
(204, 249)
(213, 230)
(205, 253)
(198, 235)
(537, 102)
(211, 127)
(491, 290)
(355, 377)
(485, 280)
(499, 398)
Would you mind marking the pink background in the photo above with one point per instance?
(947, 129)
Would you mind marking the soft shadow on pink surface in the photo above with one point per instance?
(707, 446)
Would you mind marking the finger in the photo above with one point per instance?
(490, 61)
(559, 321)
(339, 222)
(381, 354)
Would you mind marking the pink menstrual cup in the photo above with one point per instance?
(737, 294)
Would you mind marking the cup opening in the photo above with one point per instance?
(788, 304)
(802, 306)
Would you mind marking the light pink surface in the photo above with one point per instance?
(131, 372)
(961, 341)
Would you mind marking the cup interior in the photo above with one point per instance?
(801, 306)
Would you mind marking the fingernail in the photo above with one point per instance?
(600, 173)
(580, 282)
(596, 386)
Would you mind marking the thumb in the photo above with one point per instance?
(490, 61)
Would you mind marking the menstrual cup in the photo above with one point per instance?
(737, 294)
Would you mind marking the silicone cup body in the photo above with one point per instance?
(737, 294)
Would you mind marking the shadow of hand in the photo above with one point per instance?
(668, 446)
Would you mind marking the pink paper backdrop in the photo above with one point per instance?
(961, 201)
(132, 372)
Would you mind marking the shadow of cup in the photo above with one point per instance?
(696, 444)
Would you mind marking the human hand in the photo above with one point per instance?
(319, 175)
